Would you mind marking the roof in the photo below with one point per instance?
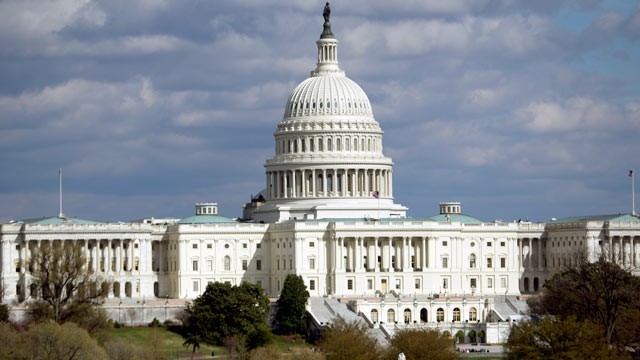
(462, 218)
(612, 217)
(206, 219)
(55, 220)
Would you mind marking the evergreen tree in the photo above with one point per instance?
(225, 311)
(292, 311)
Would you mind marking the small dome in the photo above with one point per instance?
(328, 95)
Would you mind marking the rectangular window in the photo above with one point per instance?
(312, 284)
(259, 283)
(417, 283)
(473, 282)
(445, 243)
(135, 246)
(445, 262)
(244, 245)
(369, 284)
(398, 284)
(258, 246)
(312, 263)
(489, 262)
(490, 283)
(350, 284)
(17, 266)
(445, 283)
(209, 246)
(258, 265)
(503, 282)
(245, 264)
(195, 246)
(209, 265)
(196, 286)
(195, 265)
(503, 262)
(489, 243)
(502, 243)
(312, 244)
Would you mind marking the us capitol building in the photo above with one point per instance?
(328, 213)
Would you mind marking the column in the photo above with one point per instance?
(313, 183)
(324, 182)
(424, 264)
(390, 254)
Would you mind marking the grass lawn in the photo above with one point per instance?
(167, 344)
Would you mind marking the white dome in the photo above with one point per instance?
(327, 94)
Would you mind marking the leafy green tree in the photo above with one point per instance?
(224, 311)
(60, 278)
(291, 314)
(421, 344)
(600, 292)
(349, 341)
(558, 339)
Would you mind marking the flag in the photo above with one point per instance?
(375, 194)
(630, 172)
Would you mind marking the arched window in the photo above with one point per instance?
(329, 182)
(374, 316)
(329, 144)
(407, 316)
(473, 314)
(456, 314)
(424, 315)
(391, 316)
(440, 315)
(227, 263)
(338, 145)
(472, 261)
(320, 144)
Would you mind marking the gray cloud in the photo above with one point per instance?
(154, 105)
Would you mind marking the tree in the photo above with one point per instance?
(59, 274)
(349, 341)
(12, 341)
(420, 344)
(600, 292)
(224, 311)
(558, 339)
(291, 314)
(66, 341)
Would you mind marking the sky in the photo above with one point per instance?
(518, 109)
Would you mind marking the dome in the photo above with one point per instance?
(329, 94)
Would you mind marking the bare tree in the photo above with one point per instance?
(61, 277)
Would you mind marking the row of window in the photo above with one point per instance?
(296, 145)
(102, 263)
(489, 243)
(195, 264)
(472, 262)
(226, 246)
(424, 315)
(473, 283)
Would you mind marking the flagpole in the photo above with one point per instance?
(60, 215)
(633, 192)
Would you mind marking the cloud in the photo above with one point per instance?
(573, 114)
